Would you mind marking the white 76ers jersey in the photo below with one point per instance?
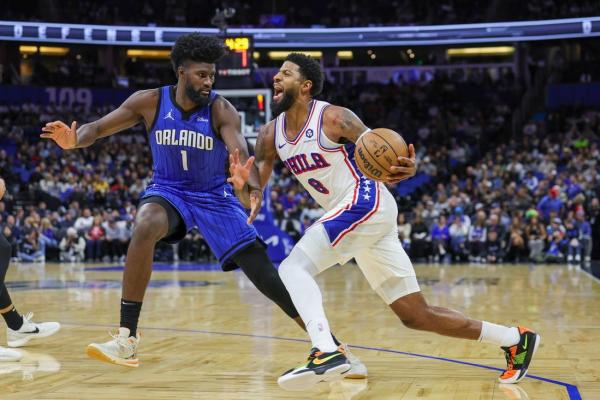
(328, 171)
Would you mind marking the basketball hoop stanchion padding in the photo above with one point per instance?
(261, 97)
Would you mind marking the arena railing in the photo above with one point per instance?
(310, 37)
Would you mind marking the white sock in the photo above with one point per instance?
(320, 335)
(498, 334)
(306, 295)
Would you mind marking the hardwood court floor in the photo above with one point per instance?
(210, 335)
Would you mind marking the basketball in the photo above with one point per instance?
(377, 150)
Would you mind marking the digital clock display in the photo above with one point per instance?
(237, 62)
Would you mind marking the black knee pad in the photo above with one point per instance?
(257, 266)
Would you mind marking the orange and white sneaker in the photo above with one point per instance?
(519, 356)
(121, 350)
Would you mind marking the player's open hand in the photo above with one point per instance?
(256, 198)
(2, 188)
(239, 173)
(407, 167)
(60, 132)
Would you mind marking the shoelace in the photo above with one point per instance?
(27, 318)
(316, 353)
(123, 342)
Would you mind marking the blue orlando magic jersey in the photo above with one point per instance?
(187, 154)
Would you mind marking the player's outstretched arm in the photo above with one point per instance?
(342, 124)
(130, 113)
(244, 176)
(266, 154)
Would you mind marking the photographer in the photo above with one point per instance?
(72, 246)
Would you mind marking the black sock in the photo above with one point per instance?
(130, 314)
(13, 319)
(337, 342)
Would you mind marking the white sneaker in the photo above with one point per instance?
(358, 370)
(30, 330)
(122, 350)
(9, 355)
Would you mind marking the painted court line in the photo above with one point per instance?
(572, 390)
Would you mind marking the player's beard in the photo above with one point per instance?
(195, 96)
(284, 104)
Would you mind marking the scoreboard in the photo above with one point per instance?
(238, 61)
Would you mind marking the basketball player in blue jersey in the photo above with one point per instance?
(316, 141)
(192, 131)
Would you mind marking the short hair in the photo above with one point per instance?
(309, 69)
(198, 48)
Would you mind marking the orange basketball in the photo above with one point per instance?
(377, 150)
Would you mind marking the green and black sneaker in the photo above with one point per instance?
(320, 367)
(519, 356)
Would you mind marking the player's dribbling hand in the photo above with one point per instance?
(239, 173)
(60, 132)
(407, 167)
(256, 197)
(2, 188)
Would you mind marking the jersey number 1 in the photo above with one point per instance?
(184, 159)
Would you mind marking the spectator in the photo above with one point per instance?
(572, 240)
(95, 240)
(440, 237)
(556, 243)
(585, 236)
(477, 238)
(536, 239)
(419, 239)
(85, 221)
(516, 241)
(72, 246)
(112, 240)
(458, 232)
(550, 203)
(404, 231)
(494, 225)
(30, 249)
(493, 248)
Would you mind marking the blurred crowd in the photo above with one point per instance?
(283, 13)
(480, 194)
(292, 14)
(553, 9)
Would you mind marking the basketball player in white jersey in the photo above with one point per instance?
(315, 140)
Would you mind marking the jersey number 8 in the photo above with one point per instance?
(318, 186)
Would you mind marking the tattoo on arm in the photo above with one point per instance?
(350, 125)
